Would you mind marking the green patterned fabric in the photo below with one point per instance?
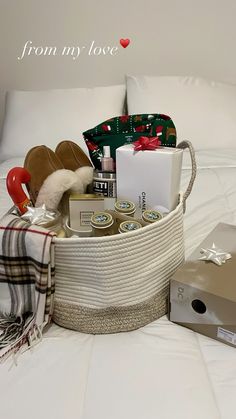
(125, 129)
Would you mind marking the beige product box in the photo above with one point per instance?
(150, 179)
(81, 209)
(203, 294)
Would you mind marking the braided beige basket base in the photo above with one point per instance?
(110, 319)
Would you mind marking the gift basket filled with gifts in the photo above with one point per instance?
(98, 238)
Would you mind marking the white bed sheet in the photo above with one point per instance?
(160, 371)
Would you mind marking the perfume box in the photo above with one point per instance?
(81, 209)
(203, 294)
(149, 178)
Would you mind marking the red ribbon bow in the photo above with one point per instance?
(147, 143)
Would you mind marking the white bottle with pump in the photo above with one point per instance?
(107, 161)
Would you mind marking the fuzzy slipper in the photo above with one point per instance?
(71, 155)
(40, 162)
(60, 182)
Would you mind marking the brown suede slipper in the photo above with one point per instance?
(40, 162)
(71, 155)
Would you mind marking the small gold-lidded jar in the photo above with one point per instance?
(151, 216)
(127, 226)
(102, 224)
(125, 207)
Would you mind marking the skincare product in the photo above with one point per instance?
(128, 226)
(103, 224)
(118, 218)
(125, 207)
(107, 161)
(81, 209)
(151, 216)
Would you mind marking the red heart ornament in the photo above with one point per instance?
(124, 42)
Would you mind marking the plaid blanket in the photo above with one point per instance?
(26, 283)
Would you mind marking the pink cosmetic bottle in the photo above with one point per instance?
(107, 161)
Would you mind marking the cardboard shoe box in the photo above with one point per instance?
(203, 294)
(150, 178)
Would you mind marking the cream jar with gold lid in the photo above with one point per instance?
(125, 207)
(151, 216)
(128, 226)
(102, 224)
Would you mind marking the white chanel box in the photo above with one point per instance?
(150, 178)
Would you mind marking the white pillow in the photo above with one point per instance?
(203, 111)
(48, 117)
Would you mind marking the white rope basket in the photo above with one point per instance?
(119, 283)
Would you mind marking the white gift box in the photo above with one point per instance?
(150, 178)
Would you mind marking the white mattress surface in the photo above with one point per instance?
(160, 371)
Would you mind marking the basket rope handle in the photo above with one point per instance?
(188, 145)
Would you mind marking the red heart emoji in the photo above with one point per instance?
(124, 42)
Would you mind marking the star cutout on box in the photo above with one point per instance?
(215, 255)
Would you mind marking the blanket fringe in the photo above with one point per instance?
(15, 332)
(11, 328)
